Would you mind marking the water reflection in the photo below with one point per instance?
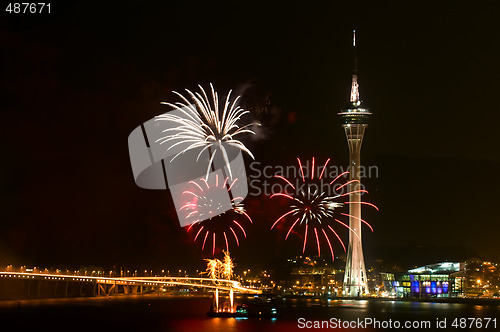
(171, 313)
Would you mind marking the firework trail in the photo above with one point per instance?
(314, 205)
(201, 207)
(206, 125)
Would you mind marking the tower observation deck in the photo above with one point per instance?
(354, 121)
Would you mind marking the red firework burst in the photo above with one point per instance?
(315, 205)
(210, 222)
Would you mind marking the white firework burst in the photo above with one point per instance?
(202, 126)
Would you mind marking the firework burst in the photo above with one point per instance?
(315, 206)
(206, 222)
(204, 125)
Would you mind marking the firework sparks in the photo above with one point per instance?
(213, 268)
(227, 266)
(201, 209)
(205, 125)
(217, 269)
(314, 206)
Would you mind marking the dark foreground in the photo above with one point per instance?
(186, 313)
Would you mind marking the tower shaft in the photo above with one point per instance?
(355, 282)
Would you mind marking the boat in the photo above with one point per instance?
(255, 309)
(268, 310)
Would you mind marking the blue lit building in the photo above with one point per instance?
(435, 280)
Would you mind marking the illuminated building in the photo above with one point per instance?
(434, 280)
(430, 280)
(481, 278)
(354, 121)
(472, 278)
(311, 276)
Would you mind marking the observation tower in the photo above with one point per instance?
(354, 121)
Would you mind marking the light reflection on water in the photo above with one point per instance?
(171, 313)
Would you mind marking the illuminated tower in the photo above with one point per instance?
(354, 121)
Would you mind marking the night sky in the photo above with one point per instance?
(75, 83)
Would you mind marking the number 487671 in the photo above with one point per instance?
(470, 323)
(28, 8)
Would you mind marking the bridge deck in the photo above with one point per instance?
(207, 283)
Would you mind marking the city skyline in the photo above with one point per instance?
(75, 87)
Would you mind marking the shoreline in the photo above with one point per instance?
(387, 299)
(75, 300)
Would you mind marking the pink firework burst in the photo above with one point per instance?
(210, 223)
(316, 205)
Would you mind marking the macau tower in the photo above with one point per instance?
(354, 121)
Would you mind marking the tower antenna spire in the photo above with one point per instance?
(354, 49)
(354, 86)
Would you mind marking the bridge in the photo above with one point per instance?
(26, 285)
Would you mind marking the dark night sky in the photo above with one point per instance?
(74, 84)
